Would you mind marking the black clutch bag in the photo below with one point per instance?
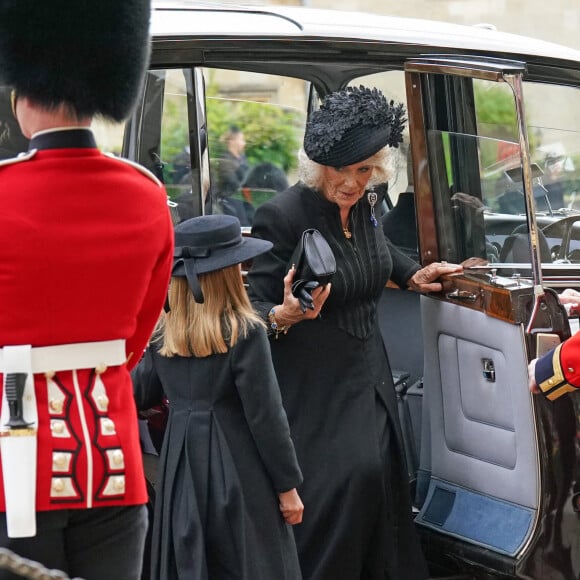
(315, 265)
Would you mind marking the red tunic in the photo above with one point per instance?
(558, 371)
(86, 245)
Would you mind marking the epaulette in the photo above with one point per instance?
(25, 156)
(137, 166)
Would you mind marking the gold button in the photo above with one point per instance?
(59, 460)
(57, 484)
(118, 457)
(56, 405)
(100, 369)
(119, 483)
(570, 370)
(551, 381)
(103, 401)
(108, 425)
(49, 374)
(57, 426)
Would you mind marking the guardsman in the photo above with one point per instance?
(557, 372)
(86, 248)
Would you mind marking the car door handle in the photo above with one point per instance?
(463, 295)
(488, 370)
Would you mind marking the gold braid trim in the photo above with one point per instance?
(557, 383)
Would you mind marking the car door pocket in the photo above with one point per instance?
(477, 518)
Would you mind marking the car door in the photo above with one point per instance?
(496, 478)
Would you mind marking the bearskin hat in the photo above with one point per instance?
(89, 54)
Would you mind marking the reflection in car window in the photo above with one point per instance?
(554, 140)
(488, 219)
(186, 177)
(399, 222)
(479, 196)
(12, 142)
(109, 136)
(174, 149)
(255, 128)
(459, 201)
(554, 127)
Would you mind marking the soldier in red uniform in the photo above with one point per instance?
(86, 247)
(558, 371)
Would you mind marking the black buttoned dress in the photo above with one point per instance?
(339, 396)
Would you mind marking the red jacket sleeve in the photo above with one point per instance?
(154, 297)
(558, 371)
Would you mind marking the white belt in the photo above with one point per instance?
(68, 357)
(18, 446)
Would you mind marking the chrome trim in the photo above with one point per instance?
(515, 82)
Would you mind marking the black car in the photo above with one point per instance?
(493, 151)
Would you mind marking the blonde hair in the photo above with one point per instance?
(312, 173)
(213, 327)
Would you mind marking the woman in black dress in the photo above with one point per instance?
(330, 361)
(229, 473)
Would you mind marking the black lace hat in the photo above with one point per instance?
(91, 55)
(352, 125)
(211, 242)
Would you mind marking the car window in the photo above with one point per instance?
(12, 141)
(484, 215)
(392, 85)
(255, 125)
(554, 129)
(468, 225)
(399, 222)
(171, 154)
(109, 135)
(174, 149)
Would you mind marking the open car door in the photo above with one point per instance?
(496, 478)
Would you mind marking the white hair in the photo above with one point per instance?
(312, 173)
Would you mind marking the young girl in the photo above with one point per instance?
(227, 490)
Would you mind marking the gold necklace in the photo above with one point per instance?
(347, 233)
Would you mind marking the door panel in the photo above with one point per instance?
(496, 478)
(482, 429)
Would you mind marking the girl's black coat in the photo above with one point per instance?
(338, 393)
(227, 452)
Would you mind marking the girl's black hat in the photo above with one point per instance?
(352, 125)
(212, 242)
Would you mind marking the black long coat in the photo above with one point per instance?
(338, 393)
(227, 452)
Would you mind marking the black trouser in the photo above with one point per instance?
(96, 544)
